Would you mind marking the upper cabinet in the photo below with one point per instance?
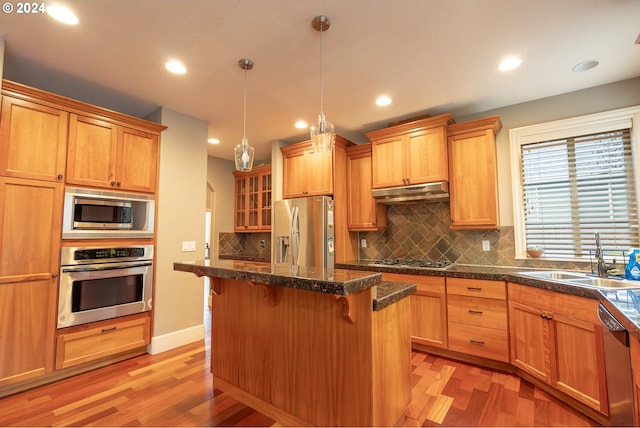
(105, 154)
(306, 173)
(410, 153)
(363, 213)
(473, 174)
(33, 139)
(252, 200)
(44, 136)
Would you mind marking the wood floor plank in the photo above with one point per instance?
(175, 389)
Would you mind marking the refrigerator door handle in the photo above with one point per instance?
(295, 235)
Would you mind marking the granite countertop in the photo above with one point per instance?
(624, 305)
(330, 281)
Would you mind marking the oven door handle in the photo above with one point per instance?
(113, 267)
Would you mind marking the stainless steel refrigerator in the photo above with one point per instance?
(303, 232)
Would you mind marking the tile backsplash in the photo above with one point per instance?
(421, 231)
(245, 244)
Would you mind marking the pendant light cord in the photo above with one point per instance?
(321, 112)
(244, 124)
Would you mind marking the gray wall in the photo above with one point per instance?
(613, 96)
(220, 178)
(179, 296)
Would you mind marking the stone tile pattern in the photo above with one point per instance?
(421, 231)
(245, 244)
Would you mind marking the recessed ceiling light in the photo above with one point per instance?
(213, 141)
(62, 14)
(301, 124)
(383, 100)
(510, 63)
(175, 67)
(585, 65)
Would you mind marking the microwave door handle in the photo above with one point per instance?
(103, 268)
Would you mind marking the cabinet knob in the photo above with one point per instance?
(54, 275)
(117, 184)
(59, 177)
(113, 184)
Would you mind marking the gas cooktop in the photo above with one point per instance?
(413, 263)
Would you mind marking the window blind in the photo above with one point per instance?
(576, 186)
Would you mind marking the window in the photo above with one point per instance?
(573, 178)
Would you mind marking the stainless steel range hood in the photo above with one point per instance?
(429, 192)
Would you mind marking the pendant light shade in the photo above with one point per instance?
(322, 133)
(243, 151)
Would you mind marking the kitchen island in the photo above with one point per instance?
(310, 346)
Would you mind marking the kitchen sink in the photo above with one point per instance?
(581, 279)
(554, 275)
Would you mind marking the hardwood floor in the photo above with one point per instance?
(174, 389)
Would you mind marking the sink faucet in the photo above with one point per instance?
(603, 267)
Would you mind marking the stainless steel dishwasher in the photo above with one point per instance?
(617, 363)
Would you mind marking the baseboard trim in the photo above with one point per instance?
(175, 339)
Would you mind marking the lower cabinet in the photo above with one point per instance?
(634, 349)
(557, 338)
(428, 309)
(478, 318)
(81, 344)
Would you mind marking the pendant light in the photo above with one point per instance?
(243, 151)
(322, 133)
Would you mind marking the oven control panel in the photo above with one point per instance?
(108, 253)
(83, 255)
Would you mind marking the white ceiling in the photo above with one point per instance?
(430, 56)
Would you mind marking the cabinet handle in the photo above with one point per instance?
(546, 317)
(474, 288)
(476, 342)
(471, 311)
(106, 330)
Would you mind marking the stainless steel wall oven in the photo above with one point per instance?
(98, 283)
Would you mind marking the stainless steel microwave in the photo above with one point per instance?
(91, 213)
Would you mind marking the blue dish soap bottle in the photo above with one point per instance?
(633, 267)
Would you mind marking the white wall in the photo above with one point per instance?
(179, 296)
(616, 95)
(1, 58)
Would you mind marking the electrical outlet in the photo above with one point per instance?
(486, 246)
(363, 243)
(188, 246)
(262, 243)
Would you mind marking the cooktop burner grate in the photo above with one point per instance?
(412, 263)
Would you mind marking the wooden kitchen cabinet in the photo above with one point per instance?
(33, 138)
(105, 154)
(410, 153)
(306, 173)
(30, 229)
(473, 174)
(557, 338)
(364, 214)
(89, 342)
(634, 350)
(477, 317)
(252, 196)
(428, 309)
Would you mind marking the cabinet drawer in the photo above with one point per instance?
(477, 288)
(480, 341)
(479, 312)
(88, 344)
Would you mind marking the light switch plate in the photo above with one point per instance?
(363, 243)
(188, 246)
(486, 246)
